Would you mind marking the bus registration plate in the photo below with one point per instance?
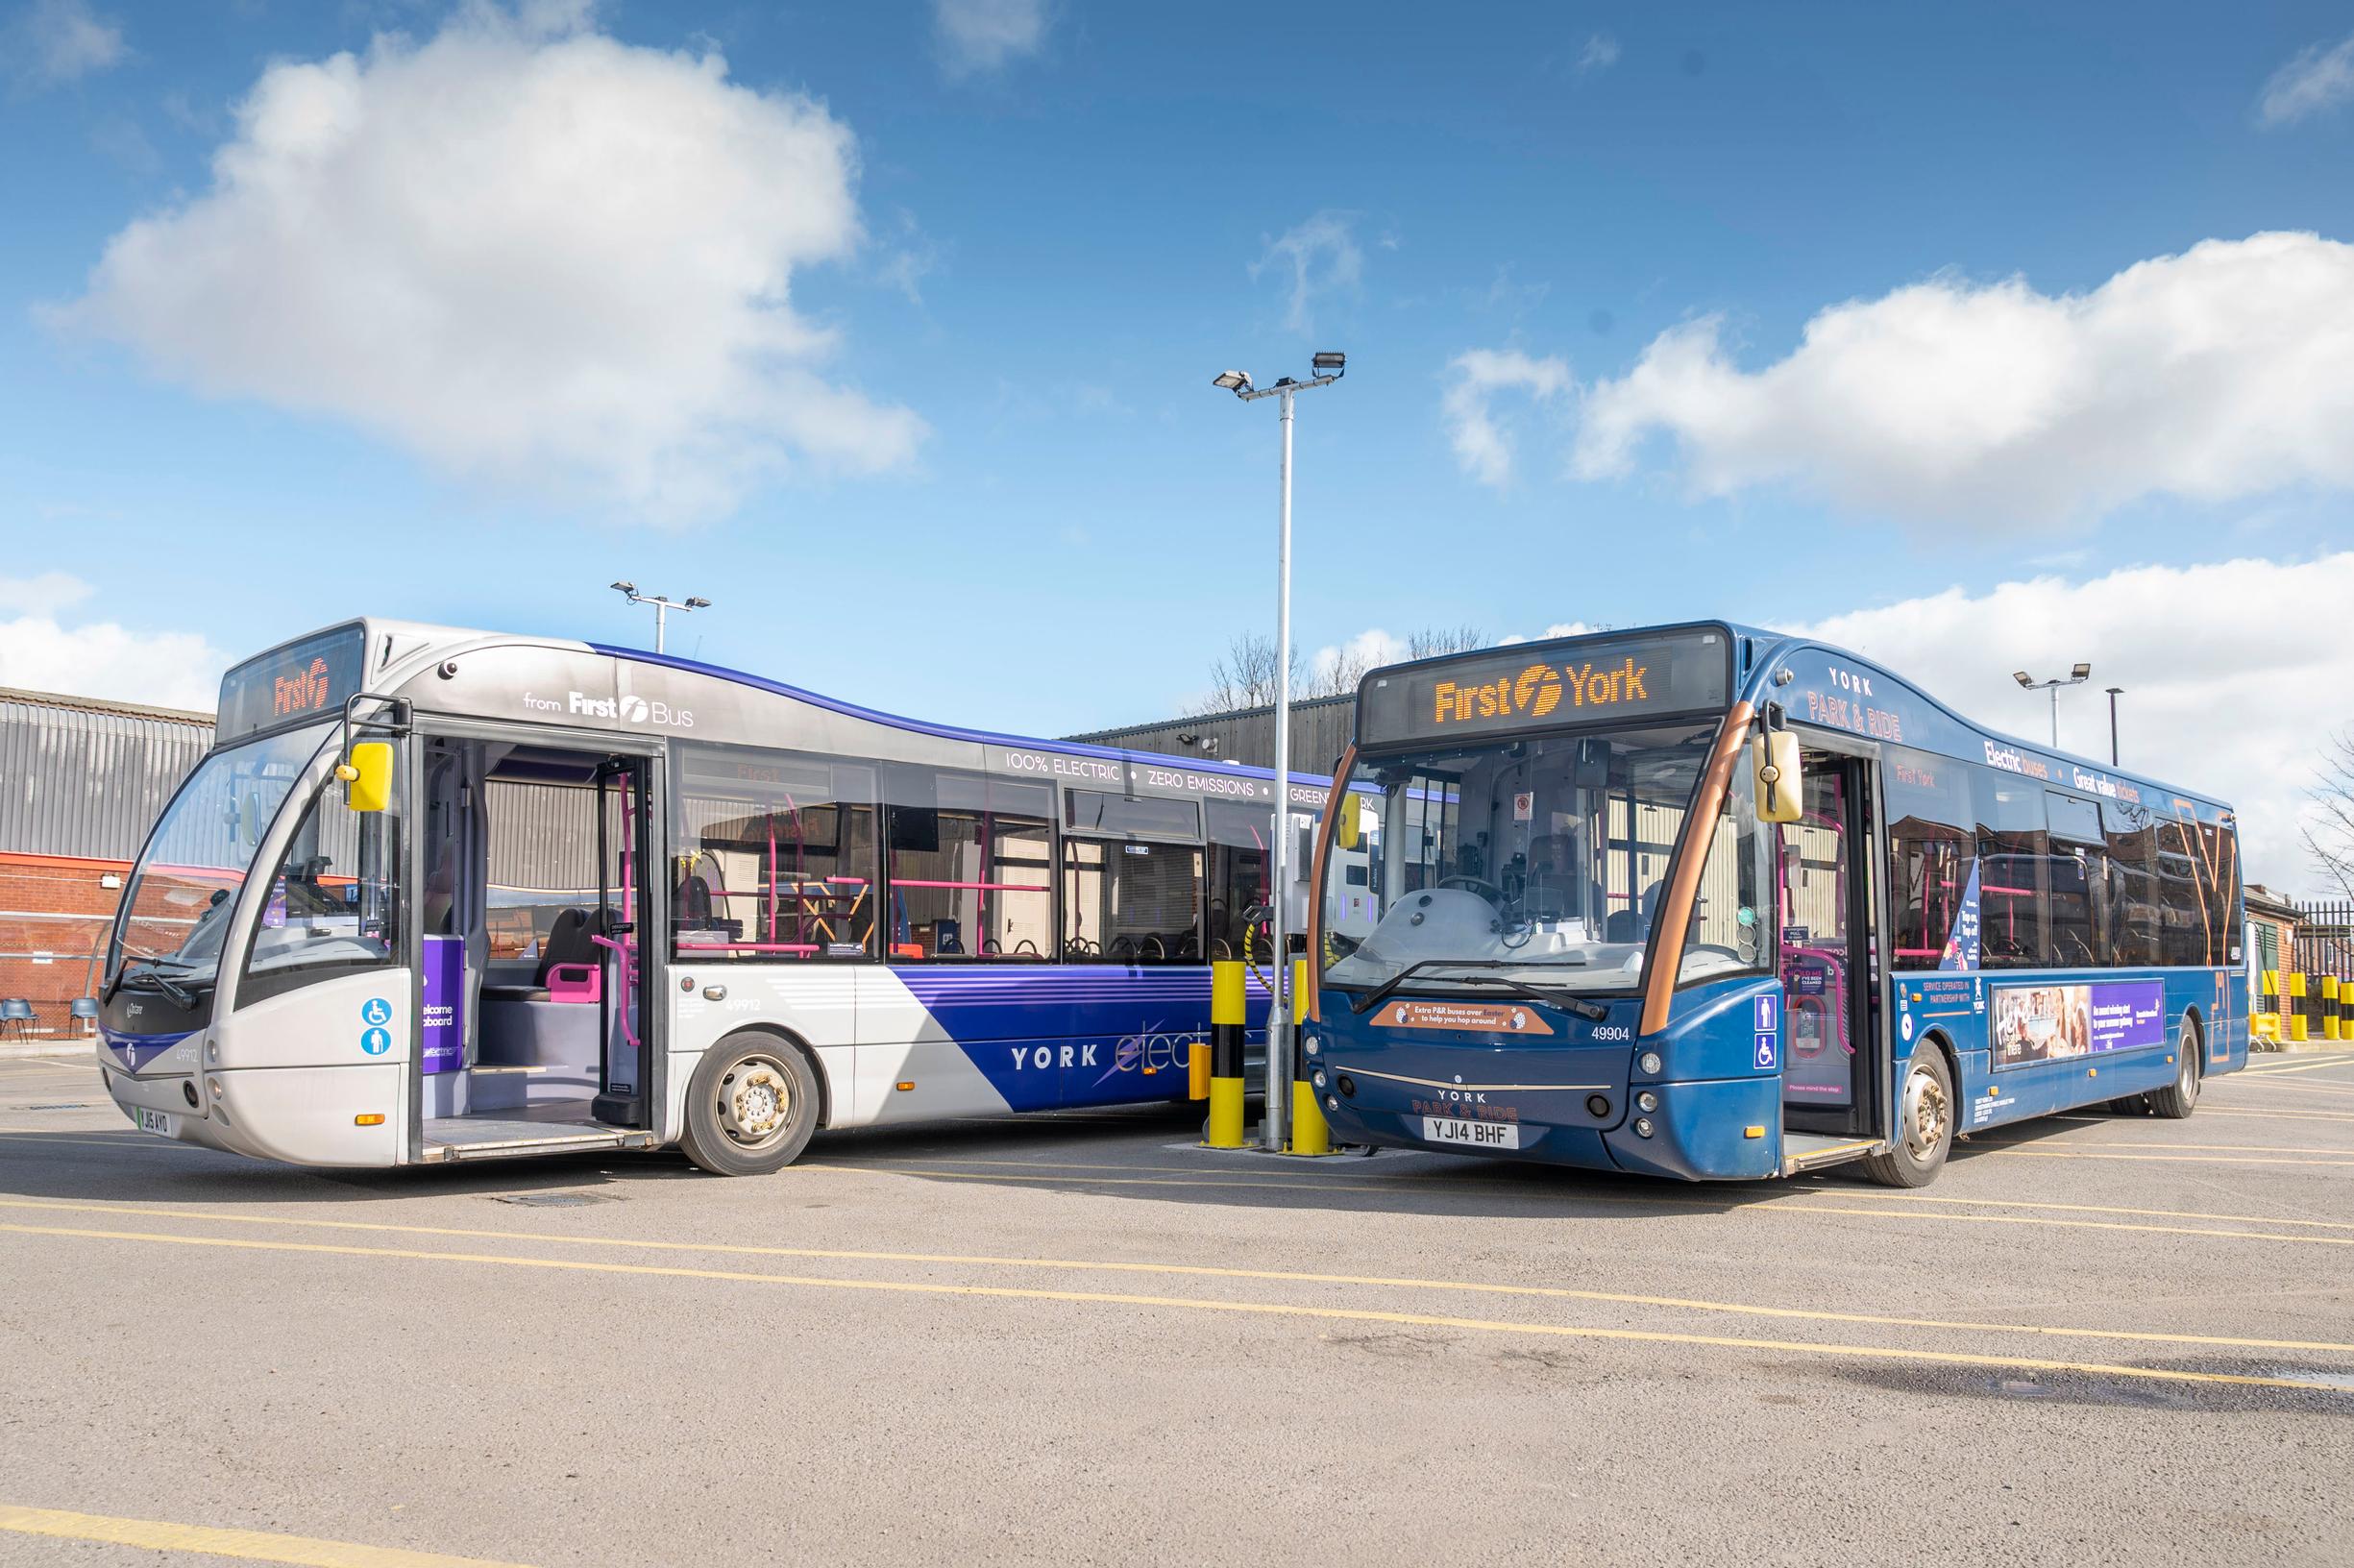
(151, 1121)
(1479, 1135)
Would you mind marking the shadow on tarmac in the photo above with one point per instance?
(1150, 1154)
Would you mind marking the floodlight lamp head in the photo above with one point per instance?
(2024, 678)
(698, 604)
(624, 587)
(1234, 380)
(2082, 672)
(1330, 362)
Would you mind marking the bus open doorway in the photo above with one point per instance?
(1834, 1046)
(537, 1031)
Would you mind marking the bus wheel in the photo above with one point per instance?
(1925, 1123)
(752, 1107)
(2180, 1098)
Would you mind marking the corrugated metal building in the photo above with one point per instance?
(82, 780)
(85, 778)
(1321, 730)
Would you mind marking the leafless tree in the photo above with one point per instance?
(1244, 676)
(1432, 641)
(2330, 839)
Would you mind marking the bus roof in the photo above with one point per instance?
(375, 646)
(1700, 667)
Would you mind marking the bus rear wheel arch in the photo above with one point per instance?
(1927, 1116)
(2179, 1098)
(752, 1105)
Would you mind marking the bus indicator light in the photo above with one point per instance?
(372, 1118)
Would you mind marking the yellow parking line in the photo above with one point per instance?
(1901, 1198)
(2305, 1067)
(246, 1545)
(2124, 1143)
(1195, 1270)
(1203, 1303)
(2166, 1158)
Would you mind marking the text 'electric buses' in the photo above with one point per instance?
(442, 894)
(1710, 902)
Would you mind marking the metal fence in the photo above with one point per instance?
(2311, 996)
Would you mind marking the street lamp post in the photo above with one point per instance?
(2113, 692)
(2077, 676)
(662, 606)
(1326, 368)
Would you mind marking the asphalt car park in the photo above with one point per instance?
(1084, 1338)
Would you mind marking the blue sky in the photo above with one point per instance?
(915, 383)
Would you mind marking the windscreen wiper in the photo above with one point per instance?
(148, 977)
(1591, 1012)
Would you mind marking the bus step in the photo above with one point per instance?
(540, 1141)
(1808, 1151)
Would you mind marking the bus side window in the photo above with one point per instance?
(970, 868)
(1931, 853)
(2135, 918)
(2013, 874)
(775, 856)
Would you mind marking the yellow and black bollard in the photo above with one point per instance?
(2299, 1023)
(2329, 1007)
(1227, 1013)
(1311, 1133)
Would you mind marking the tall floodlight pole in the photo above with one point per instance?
(662, 606)
(1326, 368)
(2077, 676)
(2113, 694)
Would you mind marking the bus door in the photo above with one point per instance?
(1829, 969)
(541, 894)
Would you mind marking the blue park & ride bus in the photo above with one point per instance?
(441, 895)
(1710, 902)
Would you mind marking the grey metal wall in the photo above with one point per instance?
(1319, 733)
(89, 780)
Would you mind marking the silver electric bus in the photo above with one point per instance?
(441, 895)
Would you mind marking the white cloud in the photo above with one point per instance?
(1560, 629)
(61, 41)
(1483, 446)
(2224, 372)
(39, 653)
(525, 250)
(1319, 257)
(46, 594)
(2317, 79)
(1336, 666)
(977, 35)
(2233, 674)
(1600, 54)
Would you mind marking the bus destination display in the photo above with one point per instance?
(311, 677)
(1597, 681)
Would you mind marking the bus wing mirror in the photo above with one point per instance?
(367, 776)
(1778, 777)
(1349, 831)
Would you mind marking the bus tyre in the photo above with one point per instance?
(752, 1107)
(1925, 1123)
(2180, 1098)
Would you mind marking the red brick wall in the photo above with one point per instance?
(35, 886)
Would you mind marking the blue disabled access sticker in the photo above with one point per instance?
(1767, 1052)
(376, 1010)
(376, 1041)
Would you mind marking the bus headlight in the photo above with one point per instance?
(1313, 1043)
(1642, 1126)
(1317, 1078)
(1647, 1101)
(1650, 1063)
